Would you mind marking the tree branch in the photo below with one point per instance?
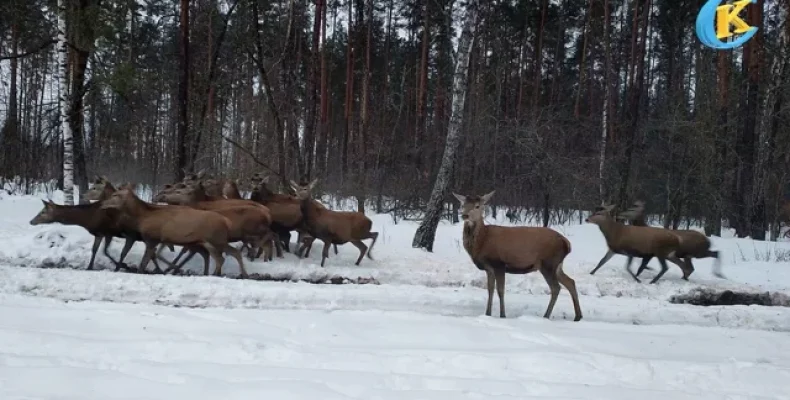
(38, 48)
(249, 153)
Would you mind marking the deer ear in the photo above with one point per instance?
(487, 197)
(461, 198)
(201, 174)
(312, 184)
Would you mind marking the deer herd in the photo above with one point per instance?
(205, 216)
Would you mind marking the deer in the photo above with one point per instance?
(248, 224)
(286, 214)
(102, 189)
(693, 244)
(334, 227)
(500, 250)
(249, 227)
(178, 225)
(102, 224)
(636, 241)
(213, 186)
(231, 190)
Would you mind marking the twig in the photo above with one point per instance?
(249, 153)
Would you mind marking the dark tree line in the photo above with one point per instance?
(567, 103)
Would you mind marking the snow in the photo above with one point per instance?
(420, 333)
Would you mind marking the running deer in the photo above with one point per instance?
(334, 227)
(177, 225)
(644, 242)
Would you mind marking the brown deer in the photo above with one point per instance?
(178, 225)
(499, 250)
(251, 227)
(213, 186)
(644, 242)
(693, 244)
(248, 225)
(231, 190)
(102, 224)
(334, 227)
(286, 214)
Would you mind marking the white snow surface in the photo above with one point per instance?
(66, 333)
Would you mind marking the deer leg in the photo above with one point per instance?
(174, 265)
(235, 253)
(216, 254)
(325, 252)
(278, 245)
(643, 266)
(285, 237)
(372, 235)
(96, 242)
(362, 250)
(335, 246)
(499, 276)
(124, 252)
(550, 275)
(609, 254)
(309, 245)
(490, 286)
(106, 251)
(688, 268)
(645, 260)
(664, 269)
(306, 244)
(301, 241)
(677, 261)
(150, 248)
(570, 284)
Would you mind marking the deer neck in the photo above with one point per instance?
(309, 211)
(473, 232)
(610, 229)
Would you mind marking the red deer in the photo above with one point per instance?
(286, 214)
(499, 250)
(334, 227)
(177, 225)
(251, 227)
(636, 241)
(693, 244)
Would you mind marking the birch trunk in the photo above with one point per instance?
(426, 233)
(63, 105)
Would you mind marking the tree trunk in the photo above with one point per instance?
(426, 232)
(750, 207)
(605, 110)
(183, 94)
(63, 103)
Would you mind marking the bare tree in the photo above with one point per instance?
(426, 232)
(63, 103)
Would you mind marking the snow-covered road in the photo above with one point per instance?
(51, 349)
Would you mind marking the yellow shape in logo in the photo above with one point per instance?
(727, 15)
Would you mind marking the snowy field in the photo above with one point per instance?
(420, 333)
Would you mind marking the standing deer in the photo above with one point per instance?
(499, 250)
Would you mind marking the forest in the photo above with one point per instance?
(558, 105)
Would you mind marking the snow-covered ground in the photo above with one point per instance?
(420, 334)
